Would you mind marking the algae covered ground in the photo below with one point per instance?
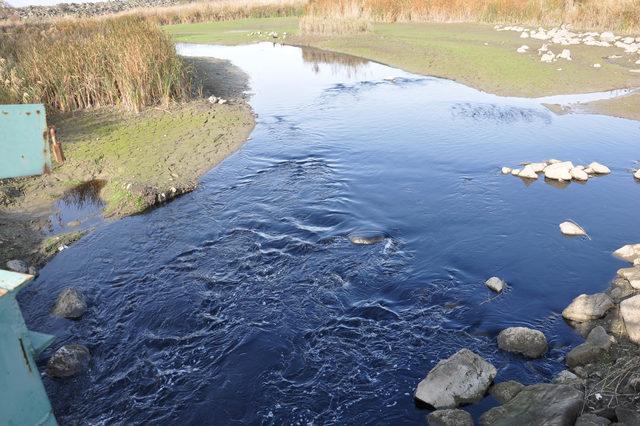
(473, 54)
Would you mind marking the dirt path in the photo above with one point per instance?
(145, 159)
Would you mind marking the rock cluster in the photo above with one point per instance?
(562, 171)
(563, 36)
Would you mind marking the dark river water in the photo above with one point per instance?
(245, 302)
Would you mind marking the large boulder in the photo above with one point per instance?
(68, 361)
(526, 341)
(505, 391)
(460, 379)
(630, 252)
(70, 304)
(630, 312)
(541, 404)
(598, 343)
(588, 307)
(451, 417)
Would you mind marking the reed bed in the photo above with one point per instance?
(617, 15)
(127, 62)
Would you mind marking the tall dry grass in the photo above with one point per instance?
(339, 17)
(617, 15)
(126, 62)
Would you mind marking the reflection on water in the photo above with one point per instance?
(338, 62)
(246, 302)
(79, 208)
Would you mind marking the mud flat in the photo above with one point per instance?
(144, 160)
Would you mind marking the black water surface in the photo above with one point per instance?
(245, 302)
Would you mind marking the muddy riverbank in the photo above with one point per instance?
(144, 160)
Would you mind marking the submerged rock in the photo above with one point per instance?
(460, 379)
(68, 361)
(588, 307)
(571, 229)
(19, 266)
(366, 239)
(451, 417)
(505, 391)
(629, 253)
(70, 304)
(542, 404)
(526, 341)
(496, 284)
(630, 312)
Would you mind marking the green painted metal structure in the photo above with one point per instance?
(23, 400)
(24, 146)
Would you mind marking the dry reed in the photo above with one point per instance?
(617, 15)
(126, 62)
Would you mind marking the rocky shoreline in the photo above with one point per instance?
(601, 385)
(43, 13)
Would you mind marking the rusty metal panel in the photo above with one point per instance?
(24, 146)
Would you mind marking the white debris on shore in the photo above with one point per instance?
(563, 36)
(562, 171)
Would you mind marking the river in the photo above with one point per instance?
(244, 302)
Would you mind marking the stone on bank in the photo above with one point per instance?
(630, 312)
(541, 404)
(451, 417)
(588, 307)
(462, 378)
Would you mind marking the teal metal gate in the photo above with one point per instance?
(24, 145)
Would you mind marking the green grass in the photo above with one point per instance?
(473, 54)
(231, 32)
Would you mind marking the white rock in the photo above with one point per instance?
(553, 161)
(597, 66)
(559, 171)
(515, 172)
(462, 378)
(570, 228)
(607, 36)
(637, 174)
(496, 284)
(524, 34)
(629, 253)
(537, 167)
(599, 168)
(543, 48)
(506, 170)
(565, 54)
(528, 172)
(579, 174)
(630, 312)
(522, 49)
(548, 57)
(632, 275)
(587, 307)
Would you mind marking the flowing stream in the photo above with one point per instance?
(245, 302)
